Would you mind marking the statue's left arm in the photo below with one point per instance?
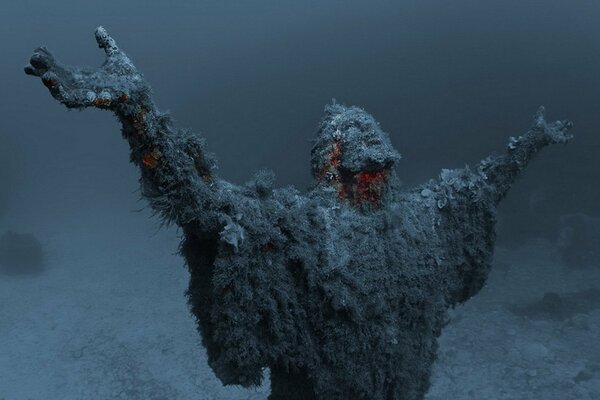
(466, 203)
(500, 172)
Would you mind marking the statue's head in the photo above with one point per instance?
(353, 155)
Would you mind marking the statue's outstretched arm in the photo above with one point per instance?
(467, 201)
(501, 171)
(177, 173)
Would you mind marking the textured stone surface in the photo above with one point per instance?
(342, 292)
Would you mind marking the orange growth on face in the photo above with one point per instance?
(354, 188)
(370, 186)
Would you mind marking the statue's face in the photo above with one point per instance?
(354, 185)
(353, 155)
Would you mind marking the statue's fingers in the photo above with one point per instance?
(538, 120)
(565, 128)
(30, 70)
(51, 81)
(40, 62)
(106, 42)
(42, 58)
(559, 131)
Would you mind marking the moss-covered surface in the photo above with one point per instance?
(343, 291)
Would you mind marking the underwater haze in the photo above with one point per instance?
(92, 301)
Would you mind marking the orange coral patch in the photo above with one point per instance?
(150, 160)
(102, 103)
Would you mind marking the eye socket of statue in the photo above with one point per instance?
(341, 291)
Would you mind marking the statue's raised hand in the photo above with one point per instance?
(500, 171)
(111, 85)
(554, 132)
(177, 173)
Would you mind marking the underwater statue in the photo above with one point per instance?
(342, 292)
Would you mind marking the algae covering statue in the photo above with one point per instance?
(342, 291)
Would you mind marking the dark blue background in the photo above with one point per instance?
(449, 80)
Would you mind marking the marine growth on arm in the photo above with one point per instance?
(177, 173)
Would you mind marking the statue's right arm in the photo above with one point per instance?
(177, 173)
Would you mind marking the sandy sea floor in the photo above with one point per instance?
(107, 319)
